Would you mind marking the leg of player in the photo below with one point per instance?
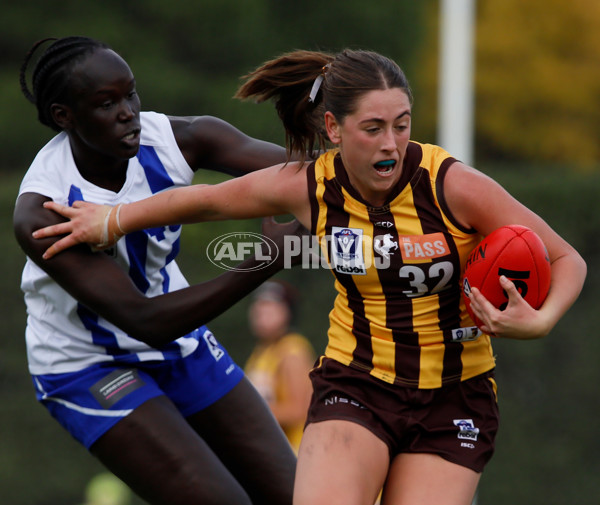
(339, 463)
(419, 479)
(158, 454)
(243, 433)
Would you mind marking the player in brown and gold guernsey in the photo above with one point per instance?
(397, 334)
(404, 397)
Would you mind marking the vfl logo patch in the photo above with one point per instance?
(347, 250)
(466, 334)
(422, 248)
(213, 345)
(116, 385)
(466, 429)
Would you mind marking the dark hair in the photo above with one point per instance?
(288, 80)
(51, 74)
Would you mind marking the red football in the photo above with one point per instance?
(516, 252)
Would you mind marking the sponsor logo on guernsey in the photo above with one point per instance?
(116, 385)
(467, 431)
(384, 245)
(213, 346)
(384, 224)
(423, 248)
(466, 334)
(347, 251)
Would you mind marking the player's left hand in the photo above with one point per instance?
(518, 320)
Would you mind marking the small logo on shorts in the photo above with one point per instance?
(466, 429)
(116, 385)
(332, 400)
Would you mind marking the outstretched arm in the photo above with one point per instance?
(210, 143)
(273, 191)
(100, 284)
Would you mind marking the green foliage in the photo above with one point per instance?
(31, 443)
(536, 81)
(547, 445)
(188, 56)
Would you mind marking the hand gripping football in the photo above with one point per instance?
(516, 252)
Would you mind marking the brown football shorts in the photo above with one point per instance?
(458, 421)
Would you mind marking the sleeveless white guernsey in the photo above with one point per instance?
(64, 336)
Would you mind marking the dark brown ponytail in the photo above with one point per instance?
(346, 76)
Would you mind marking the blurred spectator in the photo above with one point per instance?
(279, 364)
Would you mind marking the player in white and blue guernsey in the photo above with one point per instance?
(148, 257)
(116, 341)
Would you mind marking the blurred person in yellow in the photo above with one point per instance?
(106, 489)
(279, 363)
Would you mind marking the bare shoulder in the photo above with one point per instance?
(212, 143)
(462, 179)
(477, 201)
(296, 188)
(29, 215)
(197, 133)
(286, 178)
(198, 126)
(285, 187)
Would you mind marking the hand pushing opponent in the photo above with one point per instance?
(89, 223)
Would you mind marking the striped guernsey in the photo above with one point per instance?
(398, 314)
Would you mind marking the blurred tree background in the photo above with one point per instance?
(537, 132)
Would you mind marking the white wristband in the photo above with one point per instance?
(118, 220)
(104, 237)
